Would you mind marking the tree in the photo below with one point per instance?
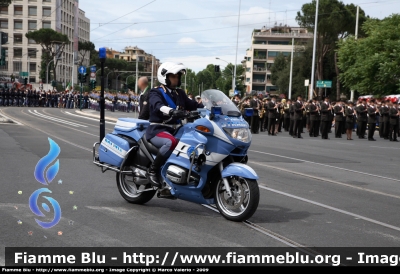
(5, 3)
(335, 21)
(52, 42)
(84, 48)
(371, 65)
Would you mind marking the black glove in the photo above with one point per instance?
(177, 113)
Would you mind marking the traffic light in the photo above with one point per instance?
(93, 84)
(109, 83)
(80, 77)
(216, 68)
(83, 78)
(25, 81)
(53, 83)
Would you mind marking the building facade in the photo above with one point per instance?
(23, 55)
(148, 61)
(267, 43)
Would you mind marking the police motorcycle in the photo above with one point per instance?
(208, 165)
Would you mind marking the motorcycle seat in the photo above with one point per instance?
(150, 147)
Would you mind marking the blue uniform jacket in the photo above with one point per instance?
(157, 100)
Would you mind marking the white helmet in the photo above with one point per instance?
(167, 68)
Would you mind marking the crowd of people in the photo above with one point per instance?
(42, 98)
(319, 118)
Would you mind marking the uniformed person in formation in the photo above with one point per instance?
(279, 115)
(313, 110)
(264, 115)
(362, 119)
(255, 104)
(286, 115)
(394, 121)
(272, 108)
(298, 108)
(372, 111)
(291, 112)
(338, 110)
(245, 103)
(326, 120)
(350, 119)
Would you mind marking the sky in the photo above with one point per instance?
(195, 32)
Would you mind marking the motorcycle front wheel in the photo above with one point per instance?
(244, 201)
(132, 192)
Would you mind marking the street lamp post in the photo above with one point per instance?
(233, 77)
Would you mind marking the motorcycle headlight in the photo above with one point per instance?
(240, 134)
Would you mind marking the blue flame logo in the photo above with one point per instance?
(45, 177)
(45, 161)
(35, 209)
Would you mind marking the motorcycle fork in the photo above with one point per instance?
(225, 181)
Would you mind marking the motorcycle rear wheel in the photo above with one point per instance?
(244, 201)
(129, 190)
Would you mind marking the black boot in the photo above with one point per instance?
(153, 172)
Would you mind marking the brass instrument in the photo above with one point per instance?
(262, 111)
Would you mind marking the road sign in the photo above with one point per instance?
(23, 73)
(324, 84)
(92, 75)
(92, 69)
(82, 70)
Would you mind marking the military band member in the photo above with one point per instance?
(394, 122)
(291, 122)
(314, 117)
(286, 115)
(362, 119)
(372, 113)
(339, 119)
(298, 117)
(350, 119)
(272, 108)
(279, 116)
(264, 114)
(255, 104)
(326, 120)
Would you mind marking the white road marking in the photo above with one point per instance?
(326, 180)
(85, 117)
(36, 113)
(332, 208)
(340, 168)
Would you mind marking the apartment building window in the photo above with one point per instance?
(46, 25)
(17, 52)
(32, 11)
(17, 10)
(46, 11)
(248, 69)
(4, 24)
(3, 10)
(32, 53)
(46, 1)
(31, 41)
(17, 38)
(17, 24)
(17, 66)
(32, 25)
(32, 66)
(247, 79)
